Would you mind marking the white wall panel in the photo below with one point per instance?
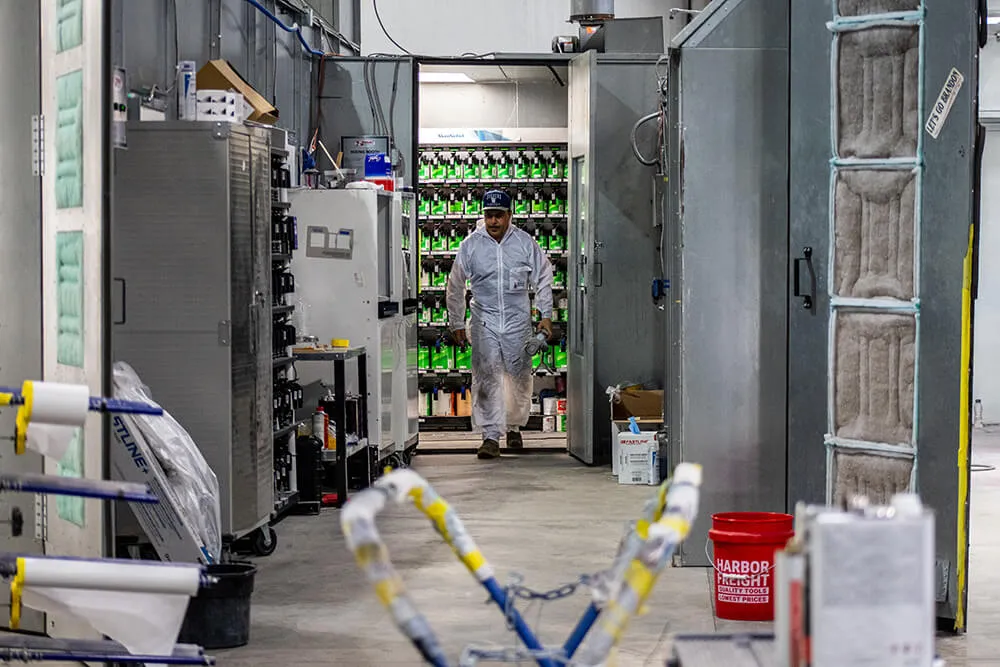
(454, 27)
(986, 355)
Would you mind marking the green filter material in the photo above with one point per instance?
(69, 140)
(537, 169)
(438, 206)
(69, 24)
(489, 171)
(440, 278)
(71, 508)
(473, 206)
(423, 358)
(556, 205)
(538, 205)
(425, 242)
(454, 171)
(557, 241)
(504, 170)
(456, 206)
(542, 239)
(558, 277)
(69, 298)
(454, 241)
(424, 207)
(438, 171)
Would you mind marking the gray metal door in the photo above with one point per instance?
(582, 195)
(881, 262)
(20, 261)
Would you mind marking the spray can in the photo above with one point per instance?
(320, 425)
(187, 90)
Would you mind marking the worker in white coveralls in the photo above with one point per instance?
(502, 264)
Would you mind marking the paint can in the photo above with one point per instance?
(549, 406)
(549, 424)
(561, 406)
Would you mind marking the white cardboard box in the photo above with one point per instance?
(132, 460)
(638, 458)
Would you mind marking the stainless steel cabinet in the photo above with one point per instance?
(191, 262)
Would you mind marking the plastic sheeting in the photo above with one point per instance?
(190, 479)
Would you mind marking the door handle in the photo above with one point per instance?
(123, 319)
(984, 24)
(809, 298)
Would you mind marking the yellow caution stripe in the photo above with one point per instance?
(16, 591)
(963, 432)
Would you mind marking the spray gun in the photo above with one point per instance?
(535, 344)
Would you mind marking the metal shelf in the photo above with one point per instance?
(282, 205)
(330, 455)
(277, 362)
(280, 257)
(280, 433)
(281, 310)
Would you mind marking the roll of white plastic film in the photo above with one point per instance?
(57, 403)
(111, 576)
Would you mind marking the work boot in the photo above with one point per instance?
(490, 449)
(514, 440)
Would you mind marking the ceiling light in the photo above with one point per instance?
(993, 20)
(445, 77)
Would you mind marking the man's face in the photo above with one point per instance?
(497, 222)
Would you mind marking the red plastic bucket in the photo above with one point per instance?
(744, 544)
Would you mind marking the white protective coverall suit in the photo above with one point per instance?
(500, 275)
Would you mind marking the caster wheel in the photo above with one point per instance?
(265, 541)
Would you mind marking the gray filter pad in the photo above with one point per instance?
(874, 381)
(866, 7)
(875, 217)
(871, 475)
(875, 220)
(879, 74)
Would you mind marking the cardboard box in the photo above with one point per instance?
(639, 458)
(220, 75)
(646, 405)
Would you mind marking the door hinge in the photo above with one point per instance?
(41, 518)
(38, 145)
(942, 574)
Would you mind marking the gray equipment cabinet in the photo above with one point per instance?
(191, 262)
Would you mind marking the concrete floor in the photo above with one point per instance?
(545, 516)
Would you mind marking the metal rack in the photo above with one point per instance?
(286, 392)
(452, 182)
(28, 648)
(345, 450)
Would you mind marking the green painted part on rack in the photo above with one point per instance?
(69, 24)
(71, 508)
(69, 298)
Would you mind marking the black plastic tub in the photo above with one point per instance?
(219, 617)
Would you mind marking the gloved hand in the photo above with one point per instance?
(546, 326)
(458, 335)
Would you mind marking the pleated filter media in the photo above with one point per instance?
(876, 174)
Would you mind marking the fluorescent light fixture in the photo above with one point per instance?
(445, 77)
(993, 20)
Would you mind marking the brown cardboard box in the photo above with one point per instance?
(220, 75)
(646, 405)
